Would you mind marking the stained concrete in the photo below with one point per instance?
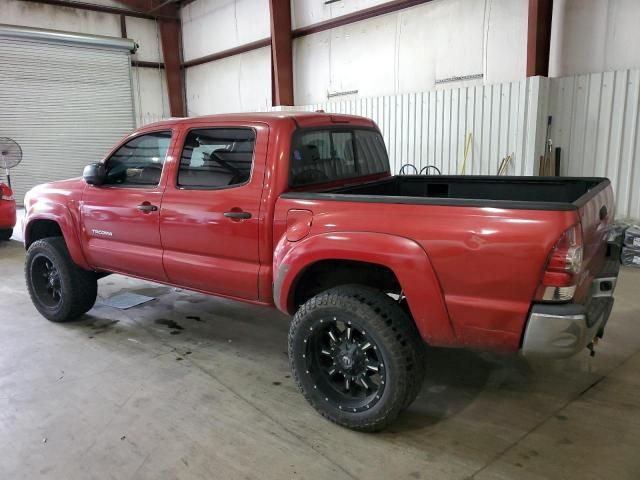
(189, 386)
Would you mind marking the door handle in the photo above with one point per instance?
(237, 215)
(146, 207)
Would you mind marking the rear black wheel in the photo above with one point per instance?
(346, 363)
(356, 356)
(59, 289)
(6, 233)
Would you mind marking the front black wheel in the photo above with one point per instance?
(356, 356)
(5, 234)
(59, 289)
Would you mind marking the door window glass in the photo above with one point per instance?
(216, 158)
(139, 162)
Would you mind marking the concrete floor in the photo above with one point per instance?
(122, 395)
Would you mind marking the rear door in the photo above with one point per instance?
(120, 219)
(210, 216)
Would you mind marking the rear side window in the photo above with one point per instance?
(325, 155)
(138, 163)
(216, 158)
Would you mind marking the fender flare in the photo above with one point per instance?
(61, 215)
(404, 257)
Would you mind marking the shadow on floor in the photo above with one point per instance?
(453, 378)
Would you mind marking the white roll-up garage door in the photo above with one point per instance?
(65, 100)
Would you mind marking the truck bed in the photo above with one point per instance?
(535, 193)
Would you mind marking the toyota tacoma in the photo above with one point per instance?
(300, 211)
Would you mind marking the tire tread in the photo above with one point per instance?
(398, 333)
(84, 283)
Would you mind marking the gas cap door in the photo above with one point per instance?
(298, 224)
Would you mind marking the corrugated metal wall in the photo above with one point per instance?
(595, 122)
(431, 128)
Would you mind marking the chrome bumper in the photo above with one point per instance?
(560, 331)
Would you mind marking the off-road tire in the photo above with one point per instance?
(397, 340)
(5, 234)
(79, 287)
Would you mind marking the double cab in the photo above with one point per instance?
(301, 211)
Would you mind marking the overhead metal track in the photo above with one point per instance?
(70, 38)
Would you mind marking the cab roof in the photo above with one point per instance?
(303, 119)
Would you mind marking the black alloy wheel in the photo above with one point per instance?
(346, 363)
(46, 281)
(357, 356)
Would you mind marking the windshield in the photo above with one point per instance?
(328, 154)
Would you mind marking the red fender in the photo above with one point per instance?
(43, 209)
(406, 258)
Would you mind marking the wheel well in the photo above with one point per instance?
(327, 274)
(40, 229)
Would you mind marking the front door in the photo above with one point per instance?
(209, 221)
(121, 218)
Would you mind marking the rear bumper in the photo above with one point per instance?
(563, 330)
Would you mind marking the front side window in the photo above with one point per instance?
(216, 158)
(138, 163)
(325, 155)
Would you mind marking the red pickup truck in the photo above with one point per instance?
(300, 211)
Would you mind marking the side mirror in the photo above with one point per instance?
(94, 174)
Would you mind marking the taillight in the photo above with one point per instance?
(5, 192)
(565, 263)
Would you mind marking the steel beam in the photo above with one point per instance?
(364, 14)
(539, 37)
(247, 47)
(281, 52)
(170, 39)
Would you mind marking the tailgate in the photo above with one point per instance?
(597, 211)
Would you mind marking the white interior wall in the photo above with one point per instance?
(408, 50)
(432, 128)
(233, 84)
(589, 36)
(305, 12)
(147, 35)
(238, 83)
(151, 97)
(39, 15)
(211, 26)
